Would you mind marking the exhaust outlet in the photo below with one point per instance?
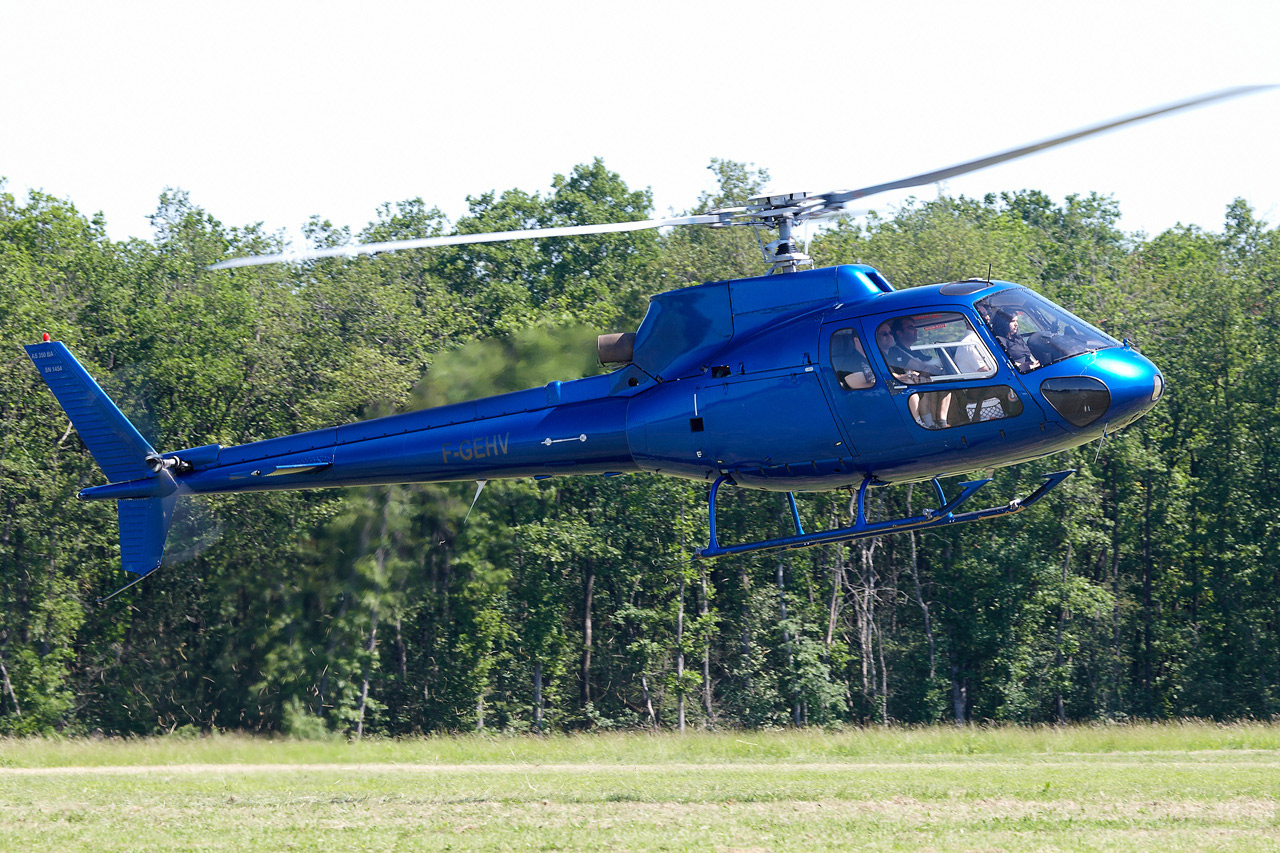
(616, 348)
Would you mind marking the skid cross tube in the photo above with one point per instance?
(943, 516)
(795, 513)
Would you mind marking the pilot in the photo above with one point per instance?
(1005, 325)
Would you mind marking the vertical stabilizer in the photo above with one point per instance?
(118, 448)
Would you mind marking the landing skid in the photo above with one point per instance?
(944, 516)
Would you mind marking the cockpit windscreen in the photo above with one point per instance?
(1034, 332)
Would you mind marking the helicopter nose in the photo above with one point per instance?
(1118, 387)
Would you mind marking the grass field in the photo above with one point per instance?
(1172, 787)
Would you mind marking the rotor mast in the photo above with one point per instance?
(779, 212)
(782, 210)
(785, 257)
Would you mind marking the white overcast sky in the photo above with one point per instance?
(275, 111)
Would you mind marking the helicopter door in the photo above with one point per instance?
(859, 395)
(942, 374)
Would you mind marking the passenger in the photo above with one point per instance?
(972, 356)
(1005, 326)
(902, 360)
(849, 361)
(974, 362)
(896, 340)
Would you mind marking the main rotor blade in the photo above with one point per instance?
(1015, 153)
(820, 204)
(464, 239)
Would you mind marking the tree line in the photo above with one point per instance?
(1145, 587)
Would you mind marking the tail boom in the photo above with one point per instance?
(576, 438)
(565, 428)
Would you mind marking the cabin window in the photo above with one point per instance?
(963, 406)
(849, 361)
(937, 347)
(1035, 332)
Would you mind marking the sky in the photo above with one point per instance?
(274, 112)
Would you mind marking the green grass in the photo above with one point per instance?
(634, 747)
(1189, 786)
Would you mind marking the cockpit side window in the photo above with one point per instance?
(1035, 332)
(936, 347)
(849, 361)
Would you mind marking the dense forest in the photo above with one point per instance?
(1146, 587)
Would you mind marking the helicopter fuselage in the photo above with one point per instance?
(733, 379)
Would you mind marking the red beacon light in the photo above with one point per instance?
(45, 337)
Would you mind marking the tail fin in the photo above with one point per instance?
(117, 447)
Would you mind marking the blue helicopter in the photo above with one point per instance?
(797, 380)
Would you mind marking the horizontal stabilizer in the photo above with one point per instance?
(116, 445)
(144, 527)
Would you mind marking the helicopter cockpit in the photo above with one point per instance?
(1035, 333)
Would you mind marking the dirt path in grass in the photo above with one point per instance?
(745, 767)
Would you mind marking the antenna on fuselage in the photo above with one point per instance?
(480, 484)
